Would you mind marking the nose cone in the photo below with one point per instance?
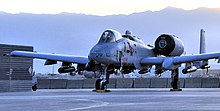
(94, 55)
(101, 54)
(97, 52)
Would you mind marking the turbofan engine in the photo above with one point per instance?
(168, 45)
(66, 69)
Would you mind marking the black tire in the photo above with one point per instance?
(102, 86)
(97, 84)
(34, 87)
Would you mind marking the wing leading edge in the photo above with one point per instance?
(55, 57)
(169, 62)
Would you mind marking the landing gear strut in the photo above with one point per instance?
(101, 84)
(175, 80)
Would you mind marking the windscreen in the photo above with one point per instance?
(107, 36)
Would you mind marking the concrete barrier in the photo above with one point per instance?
(43, 83)
(142, 83)
(112, 83)
(21, 85)
(89, 83)
(214, 72)
(4, 86)
(158, 82)
(58, 83)
(124, 83)
(181, 83)
(15, 85)
(193, 82)
(118, 83)
(74, 84)
(210, 82)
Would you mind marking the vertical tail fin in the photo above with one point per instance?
(204, 63)
(202, 48)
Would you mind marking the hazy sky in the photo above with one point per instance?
(99, 7)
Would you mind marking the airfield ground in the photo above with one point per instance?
(146, 99)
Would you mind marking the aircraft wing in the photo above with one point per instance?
(169, 62)
(54, 57)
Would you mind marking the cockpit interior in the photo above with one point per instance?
(109, 36)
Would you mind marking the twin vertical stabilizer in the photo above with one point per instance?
(202, 48)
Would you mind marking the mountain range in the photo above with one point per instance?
(70, 33)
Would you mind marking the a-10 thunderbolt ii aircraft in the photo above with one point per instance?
(127, 53)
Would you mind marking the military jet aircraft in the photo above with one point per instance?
(127, 53)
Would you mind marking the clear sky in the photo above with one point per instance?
(100, 7)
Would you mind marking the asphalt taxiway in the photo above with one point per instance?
(149, 99)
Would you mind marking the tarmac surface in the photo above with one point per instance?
(148, 99)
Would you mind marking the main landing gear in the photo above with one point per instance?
(101, 84)
(175, 80)
(34, 87)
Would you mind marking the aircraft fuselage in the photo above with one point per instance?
(123, 51)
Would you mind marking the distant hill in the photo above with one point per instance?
(70, 33)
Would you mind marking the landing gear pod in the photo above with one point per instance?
(169, 45)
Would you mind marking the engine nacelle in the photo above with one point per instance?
(189, 70)
(169, 45)
(66, 69)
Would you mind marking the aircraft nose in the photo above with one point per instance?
(94, 55)
(98, 53)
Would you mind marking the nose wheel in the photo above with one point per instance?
(100, 84)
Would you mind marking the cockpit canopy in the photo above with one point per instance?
(109, 36)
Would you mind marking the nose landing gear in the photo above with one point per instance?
(101, 84)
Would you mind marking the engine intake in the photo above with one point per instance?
(169, 45)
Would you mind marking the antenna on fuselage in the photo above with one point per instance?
(128, 32)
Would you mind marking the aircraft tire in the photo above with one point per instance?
(34, 87)
(97, 84)
(102, 86)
